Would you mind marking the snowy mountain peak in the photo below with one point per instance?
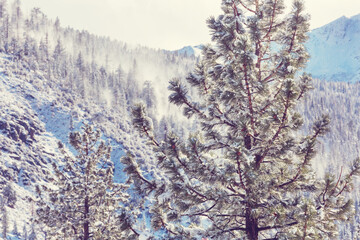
(340, 26)
(335, 51)
(190, 50)
(356, 17)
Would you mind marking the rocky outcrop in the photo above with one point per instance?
(23, 130)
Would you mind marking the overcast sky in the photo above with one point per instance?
(166, 24)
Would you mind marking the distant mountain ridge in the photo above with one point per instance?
(190, 50)
(334, 49)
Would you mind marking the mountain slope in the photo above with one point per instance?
(27, 148)
(335, 50)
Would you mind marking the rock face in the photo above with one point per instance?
(19, 130)
(21, 139)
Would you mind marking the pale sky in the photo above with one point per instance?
(165, 24)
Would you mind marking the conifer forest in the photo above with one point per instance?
(255, 138)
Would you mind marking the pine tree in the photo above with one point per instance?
(80, 75)
(59, 51)
(24, 233)
(148, 95)
(58, 59)
(16, 17)
(2, 8)
(9, 196)
(248, 173)
(57, 25)
(32, 235)
(15, 231)
(4, 221)
(132, 88)
(4, 25)
(86, 202)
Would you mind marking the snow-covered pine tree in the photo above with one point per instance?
(248, 174)
(9, 196)
(15, 231)
(148, 95)
(4, 221)
(85, 202)
(32, 235)
(24, 232)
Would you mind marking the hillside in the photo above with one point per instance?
(35, 116)
(53, 79)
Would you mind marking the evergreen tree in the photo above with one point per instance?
(4, 221)
(26, 46)
(24, 233)
(248, 173)
(80, 62)
(148, 95)
(16, 17)
(57, 25)
(32, 235)
(4, 25)
(59, 51)
(2, 8)
(58, 60)
(9, 196)
(80, 75)
(118, 89)
(132, 87)
(15, 231)
(13, 46)
(87, 203)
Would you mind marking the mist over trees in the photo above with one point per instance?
(92, 67)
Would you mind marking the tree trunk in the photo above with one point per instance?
(86, 223)
(252, 230)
